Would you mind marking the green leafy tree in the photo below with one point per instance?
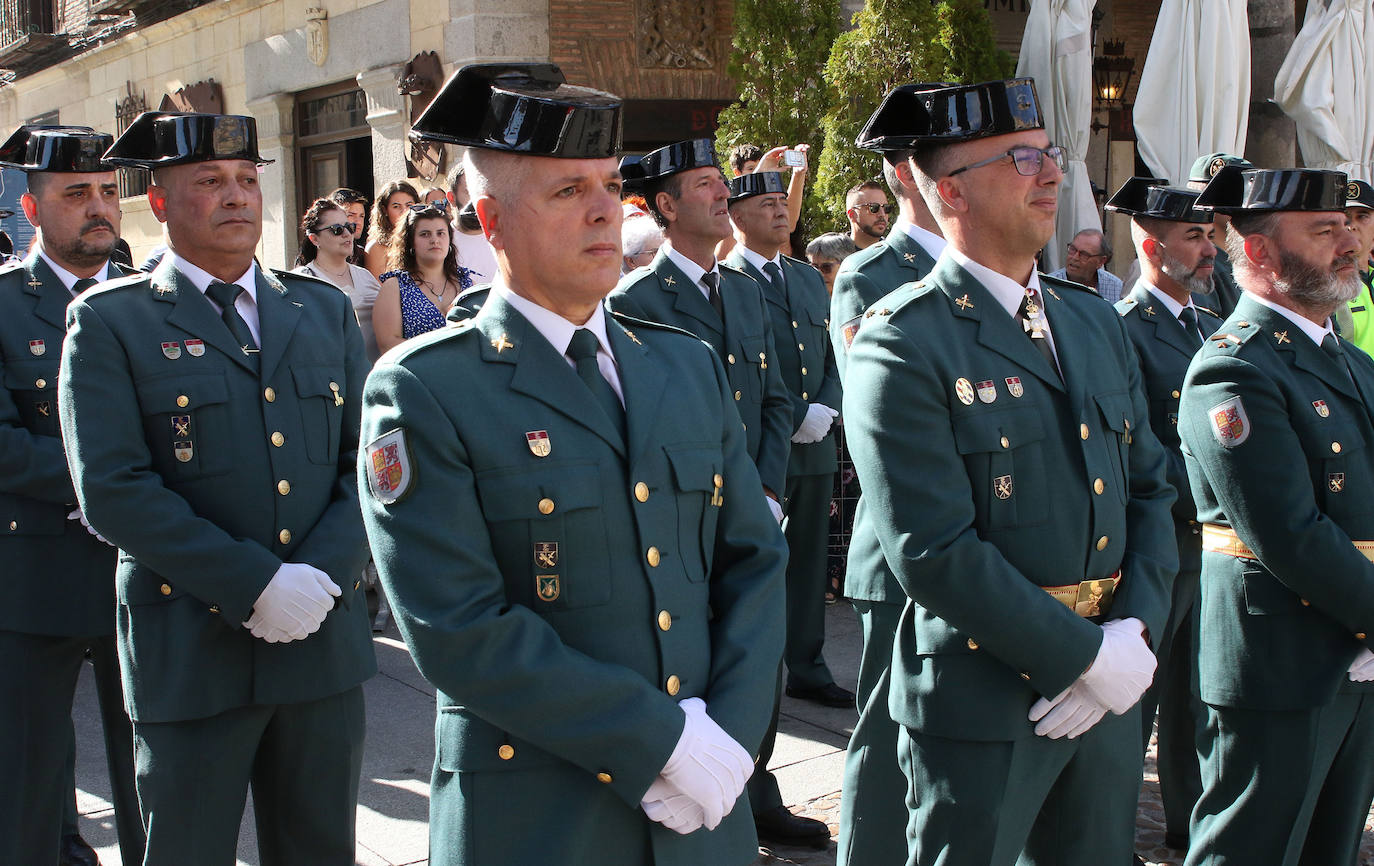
(780, 48)
(893, 42)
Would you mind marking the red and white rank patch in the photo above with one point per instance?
(1230, 424)
(389, 473)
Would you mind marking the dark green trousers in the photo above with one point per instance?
(38, 674)
(873, 800)
(1030, 802)
(1285, 788)
(302, 761)
(1182, 716)
(807, 530)
(762, 786)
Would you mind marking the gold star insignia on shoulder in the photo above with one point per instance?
(501, 344)
(1053, 293)
(633, 338)
(669, 280)
(1242, 324)
(964, 303)
(909, 257)
(164, 290)
(1281, 337)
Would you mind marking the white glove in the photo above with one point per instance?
(815, 425)
(1124, 667)
(78, 514)
(707, 764)
(774, 506)
(1070, 714)
(1362, 668)
(665, 803)
(293, 604)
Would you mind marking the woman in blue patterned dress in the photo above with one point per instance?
(424, 280)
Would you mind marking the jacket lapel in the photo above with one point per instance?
(50, 296)
(192, 312)
(909, 254)
(1168, 330)
(687, 297)
(1289, 340)
(996, 330)
(278, 314)
(642, 382)
(538, 371)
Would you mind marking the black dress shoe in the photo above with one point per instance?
(1139, 861)
(828, 695)
(1176, 841)
(777, 826)
(75, 852)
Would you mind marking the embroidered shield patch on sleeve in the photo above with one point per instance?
(1230, 424)
(389, 471)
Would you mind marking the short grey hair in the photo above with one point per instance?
(635, 234)
(493, 172)
(832, 245)
(1104, 248)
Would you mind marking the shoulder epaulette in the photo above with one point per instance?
(1046, 279)
(1125, 305)
(633, 322)
(292, 275)
(1236, 334)
(1212, 313)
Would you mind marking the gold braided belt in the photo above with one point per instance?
(1223, 539)
(1089, 597)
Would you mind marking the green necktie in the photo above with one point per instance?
(224, 294)
(582, 350)
(1189, 319)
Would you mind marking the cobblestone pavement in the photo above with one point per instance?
(1149, 829)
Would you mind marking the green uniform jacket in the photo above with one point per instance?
(1225, 293)
(176, 456)
(468, 303)
(662, 293)
(1279, 444)
(564, 604)
(61, 576)
(977, 502)
(1164, 352)
(867, 275)
(800, 317)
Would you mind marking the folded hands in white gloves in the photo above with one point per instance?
(703, 778)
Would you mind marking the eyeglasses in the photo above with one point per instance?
(1075, 251)
(338, 229)
(874, 208)
(1028, 160)
(440, 204)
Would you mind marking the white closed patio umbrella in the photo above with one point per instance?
(1194, 93)
(1056, 50)
(1326, 83)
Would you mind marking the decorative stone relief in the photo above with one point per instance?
(675, 33)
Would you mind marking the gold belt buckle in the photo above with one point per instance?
(1095, 597)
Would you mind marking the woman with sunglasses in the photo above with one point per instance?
(424, 280)
(327, 244)
(387, 211)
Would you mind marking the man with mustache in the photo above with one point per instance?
(598, 603)
(868, 210)
(210, 412)
(1018, 496)
(60, 592)
(1225, 293)
(1275, 423)
(685, 286)
(1173, 242)
(1356, 320)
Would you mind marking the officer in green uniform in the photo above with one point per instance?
(872, 805)
(583, 567)
(1275, 421)
(210, 412)
(799, 311)
(60, 593)
(912, 245)
(1225, 293)
(1173, 242)
(1019, 496)
(1355, 321)
(686, 287)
